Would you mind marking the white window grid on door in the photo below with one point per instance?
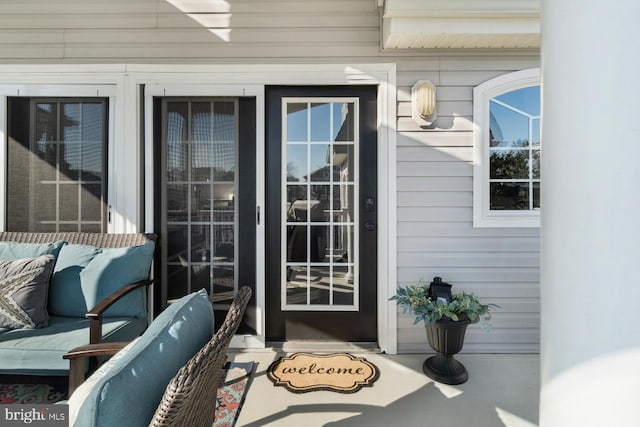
(352, 264)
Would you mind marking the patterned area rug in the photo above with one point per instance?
(232, 394)
(340, 372)
(30, 393)
(228, 403)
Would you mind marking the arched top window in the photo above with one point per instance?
(507, 149)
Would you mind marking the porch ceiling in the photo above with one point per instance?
(460, 24)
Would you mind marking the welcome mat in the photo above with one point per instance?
(30, 393)
(231, 395)
(340, 372)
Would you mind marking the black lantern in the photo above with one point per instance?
(439, 290)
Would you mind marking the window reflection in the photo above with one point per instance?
(320, 122)
(297, 122)
(508, 128)
(296, 163)
(319, 212)
(509, 196)
(200, 195)
(60, 145)
(514, 150)
(343, 115)
(509, 164)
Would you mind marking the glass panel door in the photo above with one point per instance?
(200, 190)
(319, 217)
(320, 222)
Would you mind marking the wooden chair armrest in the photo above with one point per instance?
(77, 356)
(95, 314)
(101, 349)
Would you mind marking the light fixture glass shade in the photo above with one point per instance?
(423, 101)
(425, 98)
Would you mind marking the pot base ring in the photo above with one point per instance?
(445, 369)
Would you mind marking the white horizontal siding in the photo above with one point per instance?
(31, 37)
(58, 20)
(435, 198)
(439, 184)
(436, 236)
(503, 322)
(442, 123)
(470, 258)
(461, 244)
(445, 108)
(42, 51)
(267, 18)
(250, 6)
(520, 340)
(435, 214)
(197, 36)
(161, 51)
(453, 275)
(417, 169)
(436, 154)
(187, 30)
(458, 229)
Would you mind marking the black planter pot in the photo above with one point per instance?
(446, 337)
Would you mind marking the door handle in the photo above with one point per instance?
(369, 225)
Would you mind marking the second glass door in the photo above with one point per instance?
(200, 197)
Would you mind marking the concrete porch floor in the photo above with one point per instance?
(502, 390)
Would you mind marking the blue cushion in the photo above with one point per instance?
(13, 250)
(128, 388)
(65, 293)
(110, 270)
(40, 351)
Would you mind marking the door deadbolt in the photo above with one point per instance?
(370, 204)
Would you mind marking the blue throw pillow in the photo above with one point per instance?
(65, 293)
(10, 251)
(110, 270)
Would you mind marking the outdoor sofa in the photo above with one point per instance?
(64, 290)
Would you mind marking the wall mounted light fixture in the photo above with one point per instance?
(423, 102)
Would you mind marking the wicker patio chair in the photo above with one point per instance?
(189, 398)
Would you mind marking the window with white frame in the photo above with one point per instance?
(507, 149)
(56, 156)
(54, 141)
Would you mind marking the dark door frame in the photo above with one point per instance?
(323, 325)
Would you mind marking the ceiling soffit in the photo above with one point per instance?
(460, 24)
